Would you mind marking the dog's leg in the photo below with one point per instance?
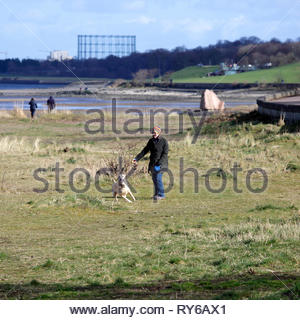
(115, 195)
(132, 196)
(124, 197)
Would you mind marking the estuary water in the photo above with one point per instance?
(84, 103)
(21, 86)
(75, 103)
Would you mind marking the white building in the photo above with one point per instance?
(59, 55)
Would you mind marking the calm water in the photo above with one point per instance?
(84, 103)
(18, 86)
(75, 103)
(70, 103)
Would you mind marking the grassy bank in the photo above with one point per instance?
(192, 72)
(196, 244)
(288, 73)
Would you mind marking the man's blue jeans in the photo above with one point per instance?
(158, 184)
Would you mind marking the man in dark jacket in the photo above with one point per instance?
(33, 106)
(158, 147)
(51, 104)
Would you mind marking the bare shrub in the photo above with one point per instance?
(144, 74)
(122, 160)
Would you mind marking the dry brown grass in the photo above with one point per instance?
(5, 114)
(18, 112)
(281, 121)
(19, 145)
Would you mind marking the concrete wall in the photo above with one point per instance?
(290, 112)
(222, 86)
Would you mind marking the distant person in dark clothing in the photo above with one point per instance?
(51, 104)
(33, 106)
(158, 147)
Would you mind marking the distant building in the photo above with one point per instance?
(229, 69)
(268, 65)
(59, 55)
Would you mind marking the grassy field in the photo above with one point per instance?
(289, 74)
(192, 72)
(193, 245)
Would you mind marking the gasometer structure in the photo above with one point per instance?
(102, 46)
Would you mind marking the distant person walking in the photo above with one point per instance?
(158, 147)
(51, 104)
(33, 106)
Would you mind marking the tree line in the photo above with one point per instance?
(246, 50)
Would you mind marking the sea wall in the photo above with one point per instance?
(222, 86)
(290, 112)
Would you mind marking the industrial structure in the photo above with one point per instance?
(101, 46)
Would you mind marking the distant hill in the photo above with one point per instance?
(289, 73)
(161, 62)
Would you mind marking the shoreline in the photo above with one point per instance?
(195, 110)
(134, 94)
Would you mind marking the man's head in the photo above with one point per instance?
(156, 131)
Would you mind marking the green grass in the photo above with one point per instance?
(288, 73)
(192, 72)
(63, 245)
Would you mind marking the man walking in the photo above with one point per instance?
(51, 104)
(32, 106)
(158, 147)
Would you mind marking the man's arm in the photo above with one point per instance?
(142, 153)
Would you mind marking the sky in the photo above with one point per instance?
(31, 28)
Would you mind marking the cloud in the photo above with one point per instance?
(78, 5)
(232, 27)
(141, 19)
(191, 26)
(135, 5)
(168, 25)
(196, 26)
(34, 14)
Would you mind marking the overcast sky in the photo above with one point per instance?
(30, 28)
